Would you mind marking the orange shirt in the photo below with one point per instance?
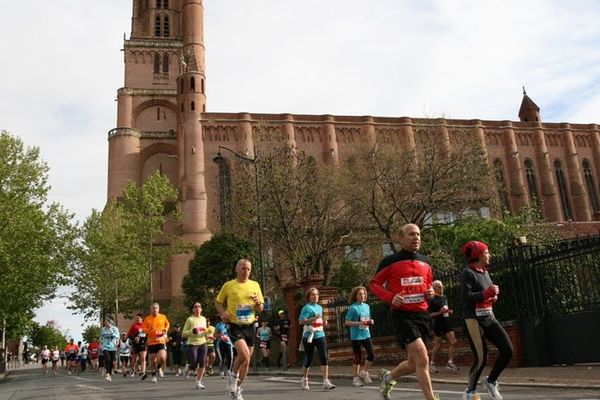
(156, 329)
(71, 349)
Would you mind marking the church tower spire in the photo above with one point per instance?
(529, 111)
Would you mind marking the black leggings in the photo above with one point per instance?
(477, 332)
(109, 358)
(196, 356)
(368, 345)
(309, 349)
(225, 354)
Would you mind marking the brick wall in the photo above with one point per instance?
(387, 350)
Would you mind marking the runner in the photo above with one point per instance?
(264, 336)
(124, 353)
(439, 313)
(175, 346)
(311, 317)
(45, 354)
(94, 352)
(282, 330)
(480, 325)
(156, 327)
(109, 337)
(82, 355)
(224, 347)
(55, 359)
(358, 318)
(71, 351)
(137, 338)
(403, 280)
(63, 356)
(210, 348)
(195, 332)
(244, 301)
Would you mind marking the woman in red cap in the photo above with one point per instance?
(479, 294)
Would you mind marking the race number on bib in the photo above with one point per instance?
(414, 298)
(244, 314)
(484, 312)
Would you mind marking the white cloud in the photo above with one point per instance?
(61, 67)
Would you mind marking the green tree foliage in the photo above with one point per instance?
(37, 238)
(213, 265)
(123, 245)
(350, 274)
(47, 335)
(90, 333)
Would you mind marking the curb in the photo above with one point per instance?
(411, 378)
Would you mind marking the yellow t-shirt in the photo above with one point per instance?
(240, 305)
(210, 336)
(156, 329)
(200, 324)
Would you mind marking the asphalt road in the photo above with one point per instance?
(30, 384)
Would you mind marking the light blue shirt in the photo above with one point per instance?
(359, 312)
(109, 338)
(309, 311)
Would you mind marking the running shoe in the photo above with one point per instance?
(222, 374)
(189, 374)
(366, 377)
(199, 385)
(239, 393)
(327, 384)
(493, 389)
(144, 377)
(161, 373)
(178, 372)
(108, 377)
(470, 395)
(386, 384)
(357, 382)
(210, 371)
(451, 366)
(304, 384)
(154, 380)
(432, 368)
(232, 383)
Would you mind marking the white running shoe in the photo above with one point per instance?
(357, 382)
(365, 377)
(327, 384)
(161, 373)
(154, 380)
(199, 385)
(232, 383)
(493, 389)
(189, 374)
(178, 372)
(451, 366)
(132, 375)
(432, 368)
(386, 383)
(108, 377)
(470, 395)
(239, 393)
(304, 384)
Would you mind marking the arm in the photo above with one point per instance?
(376, 285)
(221, 310)
(187, 329)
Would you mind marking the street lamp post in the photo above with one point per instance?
(220, 159)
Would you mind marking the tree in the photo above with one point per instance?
(37, 238)
(213, 265)
(90, 333)
(47, 335)
(394, 184)
(303, 209)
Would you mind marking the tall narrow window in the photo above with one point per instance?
(156, 63)
(165, 4)
(158, 4)
(166, 28)
(202, 86)
(193, 106)
(531, 181)
(562, 188)
(192, 84)
(157, 26)
(181, 86)
(591, 187)
(224, 190)
(166, 63)
(501, 185)
(158, 113)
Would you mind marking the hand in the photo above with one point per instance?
(444, 309)
(195, 331)
(450, 311)
(371, 322)
(397, 300)
(255, 299)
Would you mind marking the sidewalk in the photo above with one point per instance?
(577, 376)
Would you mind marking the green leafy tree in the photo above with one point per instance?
(47, 335)
(213, 265)
(350, 274)
(90, 333)
(37, 238)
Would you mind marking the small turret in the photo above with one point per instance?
(529, 111)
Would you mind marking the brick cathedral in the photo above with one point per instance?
(162, 124)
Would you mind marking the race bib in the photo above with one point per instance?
(284, 338)
(484, 311)
(414, 298)
(364, 326)
(244, 314)
(263, 344)
(142, 334)
(318, 323)
(159, 334)
(412, 281)
(200, 329)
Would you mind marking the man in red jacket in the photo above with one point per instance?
(404, 281)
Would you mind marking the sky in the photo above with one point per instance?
(62, 65)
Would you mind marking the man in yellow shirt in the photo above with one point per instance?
(244, 301)
(156, 326)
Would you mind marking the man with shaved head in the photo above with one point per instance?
(403, 280)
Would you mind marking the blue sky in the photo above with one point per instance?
(62, 65)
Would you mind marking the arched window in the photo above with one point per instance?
(192, 84)
(224, 190)
(501, 185)
(157, 26)
(166, 63)
(166, 28)
(202, 86)
(531, 181)
(562, 188)
(193, 106)
(591, 187)
(156, 63)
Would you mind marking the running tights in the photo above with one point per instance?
(109, 359)
(309, 349)
(196, 356)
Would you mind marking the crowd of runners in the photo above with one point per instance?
(404, 280)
